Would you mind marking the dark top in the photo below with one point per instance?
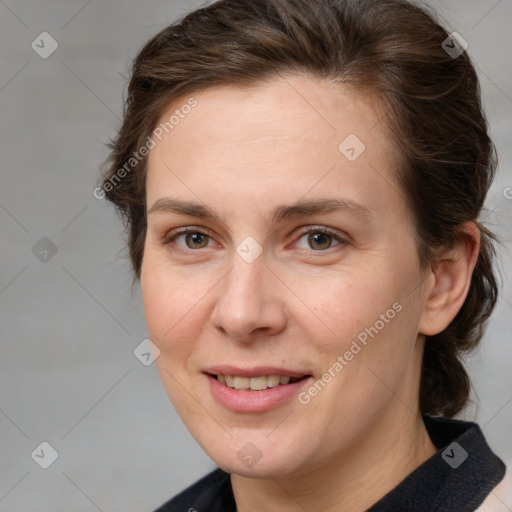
(455, 479)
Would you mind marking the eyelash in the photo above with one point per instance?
(174, 234)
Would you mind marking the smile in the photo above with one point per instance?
(257, 392)
(258, 383)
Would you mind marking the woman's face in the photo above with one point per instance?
(276, 280)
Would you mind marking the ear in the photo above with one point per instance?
(451, 280)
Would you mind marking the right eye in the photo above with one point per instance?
(193, 239)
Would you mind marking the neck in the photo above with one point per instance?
(352, 483)
(391, 448)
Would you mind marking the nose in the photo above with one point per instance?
(250, 301)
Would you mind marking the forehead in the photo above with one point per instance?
(292, 131)
(293, 104)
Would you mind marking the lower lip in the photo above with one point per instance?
(254, 401)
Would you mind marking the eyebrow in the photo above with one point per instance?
(298, 209)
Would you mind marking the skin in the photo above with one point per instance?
(299, 305)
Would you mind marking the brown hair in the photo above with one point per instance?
(391, 49)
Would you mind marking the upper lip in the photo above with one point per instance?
(255, 371)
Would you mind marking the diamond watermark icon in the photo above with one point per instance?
(45, 455)
(44, 250)
(249, 454)
(351, 147)
(454, 455)
(454, 45)
(44, 45)
(146, 352)
(249, 249)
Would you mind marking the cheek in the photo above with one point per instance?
(171, 307)
(346, 306)
(371, 336)
(374, 349)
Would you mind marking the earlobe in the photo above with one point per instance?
(450, 287)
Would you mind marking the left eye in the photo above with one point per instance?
(320, 239)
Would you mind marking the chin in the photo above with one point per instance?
(259, 458)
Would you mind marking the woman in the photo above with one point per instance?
(317, 377)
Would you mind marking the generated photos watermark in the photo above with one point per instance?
(356, 346)
(150, 143)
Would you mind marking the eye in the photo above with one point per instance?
(321, 239)
(318, 238)
(193, 239)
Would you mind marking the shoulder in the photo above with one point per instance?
(462, 475)
(499, 497)
(213, 492)
(471, 469)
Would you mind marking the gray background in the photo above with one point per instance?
(70, 325)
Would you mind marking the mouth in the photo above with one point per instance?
(257, 389)
(257, 393)
(256, 383)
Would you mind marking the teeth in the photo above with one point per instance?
(258, 383)
(273, 381)
(254, 383)
(241, 382)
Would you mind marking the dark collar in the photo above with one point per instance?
(457, 478)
